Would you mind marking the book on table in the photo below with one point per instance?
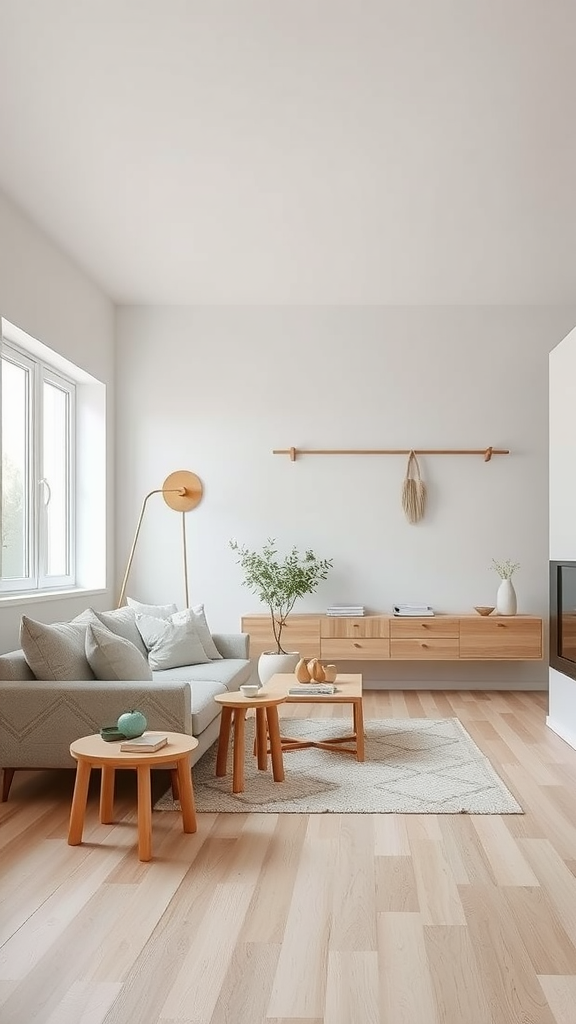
(312, 690)
(145, 744)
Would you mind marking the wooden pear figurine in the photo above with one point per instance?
(330, 672)
(316, 670)
(312, 669)
(301, 671)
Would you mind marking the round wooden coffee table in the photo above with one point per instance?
(234, 707)
(94, 752)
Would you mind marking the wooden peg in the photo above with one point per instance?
(488, 454)
(292, 455)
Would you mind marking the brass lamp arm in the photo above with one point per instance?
(189, 494)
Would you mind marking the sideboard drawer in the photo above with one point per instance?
(425, 649)
(301, 633)
(410, 627)
(342, 627)
(355, 650)
(502, 637)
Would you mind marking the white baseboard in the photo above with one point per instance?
(561, 731)
(489, 685)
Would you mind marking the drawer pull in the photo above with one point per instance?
(425, 625)
(502, 625)
(424, 645)
(357, 645)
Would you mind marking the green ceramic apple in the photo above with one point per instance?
(132, 724)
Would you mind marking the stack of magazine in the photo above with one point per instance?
(345, 609)
(417, 610)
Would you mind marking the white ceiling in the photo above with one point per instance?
(298, 151)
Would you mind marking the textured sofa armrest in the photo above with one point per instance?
(232, 645)
(39, 720)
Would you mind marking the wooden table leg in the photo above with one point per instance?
(79, 801)
(186, 794)
(261, 739)
(107, 795)
(239, 742)
(275, 743)
(359, 729)
(144, 812)
(223, 741)
(174, 783)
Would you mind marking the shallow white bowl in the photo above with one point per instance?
(250, 690)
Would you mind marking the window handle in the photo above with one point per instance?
(47, 492)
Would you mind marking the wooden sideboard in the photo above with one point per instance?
(386, 638)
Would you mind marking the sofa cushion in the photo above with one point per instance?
(112, 657)
(204, 632)
(230, 673)
(158, 611)
(204, 707)
(14, 667)
(55, 652)
(171, 642)
(121, 621)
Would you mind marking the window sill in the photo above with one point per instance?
(38, 597)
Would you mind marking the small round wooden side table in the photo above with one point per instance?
(94, 752)
(234, 708)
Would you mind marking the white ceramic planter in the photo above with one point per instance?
(506, 603)
(270, 663)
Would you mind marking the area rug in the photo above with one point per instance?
(412, 766)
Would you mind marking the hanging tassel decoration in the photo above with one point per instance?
(413, 491)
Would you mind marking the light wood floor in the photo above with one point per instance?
(288, 919)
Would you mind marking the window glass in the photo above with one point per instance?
(15, 556)
(55, 479)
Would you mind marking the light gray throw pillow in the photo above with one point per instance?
(173, 641)
(55, 652)
(121, 621)
(112, 657)
(158, 611)
(204, 633)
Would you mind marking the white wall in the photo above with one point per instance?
(45, 294)
(214, 390)
(562, 689)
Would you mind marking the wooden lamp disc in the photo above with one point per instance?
(189, 483)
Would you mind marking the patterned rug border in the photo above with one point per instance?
(425, 766)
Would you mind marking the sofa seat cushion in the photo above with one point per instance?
(230, 672)
(204, 707)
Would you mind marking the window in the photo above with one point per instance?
(37, 431)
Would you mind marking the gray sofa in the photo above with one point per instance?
(40, 719)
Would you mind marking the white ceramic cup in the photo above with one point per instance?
(250, 689)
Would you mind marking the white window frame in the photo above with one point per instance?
(40, 372)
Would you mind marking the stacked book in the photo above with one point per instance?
(145, 744)
(417, 610)
(313, 690)
(346, 609)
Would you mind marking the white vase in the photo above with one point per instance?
(506, 603)
(269, 663)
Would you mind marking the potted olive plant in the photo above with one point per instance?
(279, 583)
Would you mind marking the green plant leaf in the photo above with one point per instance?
(279, 583)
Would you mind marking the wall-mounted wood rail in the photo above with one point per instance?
(487, 453)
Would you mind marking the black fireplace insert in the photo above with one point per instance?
(563, 617)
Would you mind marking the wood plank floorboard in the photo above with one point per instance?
(302, 919)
